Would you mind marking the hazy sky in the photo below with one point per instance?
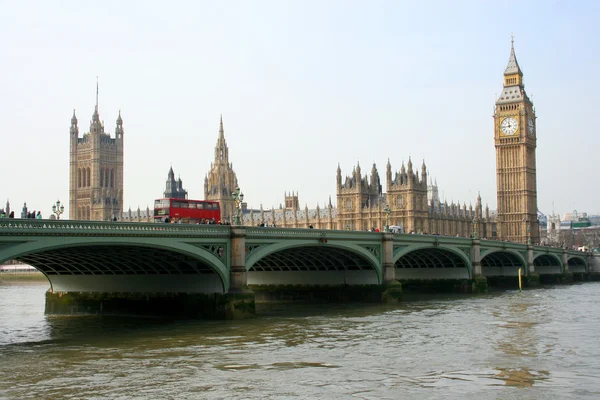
(302, 86)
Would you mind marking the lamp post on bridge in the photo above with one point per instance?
(474, 228)
(238, 197)
(347, 226)
(387, 217)
(58, 209)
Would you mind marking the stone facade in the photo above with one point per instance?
(96, 170)
(220, 182)
(293, 216)
(515, 140)
(410, 205)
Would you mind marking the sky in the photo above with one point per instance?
(302, 87)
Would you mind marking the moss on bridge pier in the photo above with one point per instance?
(327, 293)
(173, 305)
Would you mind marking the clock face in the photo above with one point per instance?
(530, 127)
(509, 126)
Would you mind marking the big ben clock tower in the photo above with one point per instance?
(515, 141)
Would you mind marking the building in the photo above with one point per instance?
(515, 141)
(220, 182)
(292, 216)
(409, 204)
(96, 170)
(174, 188)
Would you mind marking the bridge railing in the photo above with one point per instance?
(10, 226)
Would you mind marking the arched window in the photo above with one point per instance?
(112, 178)
(89, 177)
(101, 177)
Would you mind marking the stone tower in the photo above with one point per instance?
(96, 170)
(174, 188)
(357, 197)
(221, 182)
(407, 198)
(515, 141)
(291, 201)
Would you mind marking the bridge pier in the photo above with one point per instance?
(240, 299)
(171, 305)
(567, 275)
(479, 282)
(594, 267)
(532, 278)
(393, 291)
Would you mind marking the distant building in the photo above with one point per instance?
(515, 138)
(409, 204)
(174, 188)
(220, 182)
(96, 170)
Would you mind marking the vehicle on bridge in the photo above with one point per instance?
(187, 211)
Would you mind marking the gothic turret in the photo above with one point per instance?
(221, 150)
(74, 128)
(174, 188)
(119, 129)
(221, 181)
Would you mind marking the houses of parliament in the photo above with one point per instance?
(410, 202)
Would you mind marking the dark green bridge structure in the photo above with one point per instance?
(195, 270)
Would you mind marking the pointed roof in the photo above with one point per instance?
(74, 118)
(513, 65)
(221, 130)
(96, 117)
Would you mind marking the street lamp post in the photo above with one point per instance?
(474, 228)
(528, 232)
(238, 197)
(387, 217)
(58, 209)
(347, 226)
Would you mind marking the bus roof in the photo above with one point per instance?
(188, 200)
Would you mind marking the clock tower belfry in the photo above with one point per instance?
(515, 140)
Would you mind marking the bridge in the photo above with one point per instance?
(116, 260)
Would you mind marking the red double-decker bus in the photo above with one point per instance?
(187, 211)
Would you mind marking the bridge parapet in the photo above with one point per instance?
(307, 233)
(37, 227)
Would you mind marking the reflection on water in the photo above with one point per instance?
(535, 344)
(521, 377)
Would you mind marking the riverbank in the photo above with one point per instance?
(22, 276)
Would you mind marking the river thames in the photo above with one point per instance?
(538, 344)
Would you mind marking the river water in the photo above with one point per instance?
(539, 344)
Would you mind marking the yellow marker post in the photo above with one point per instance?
(520, 279)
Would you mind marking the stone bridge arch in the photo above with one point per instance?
(419, 261)
(502, 262)
(307, 261)
(577, 264)
(548, 264)
(124, 264)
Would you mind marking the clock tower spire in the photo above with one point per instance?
(515, 141)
